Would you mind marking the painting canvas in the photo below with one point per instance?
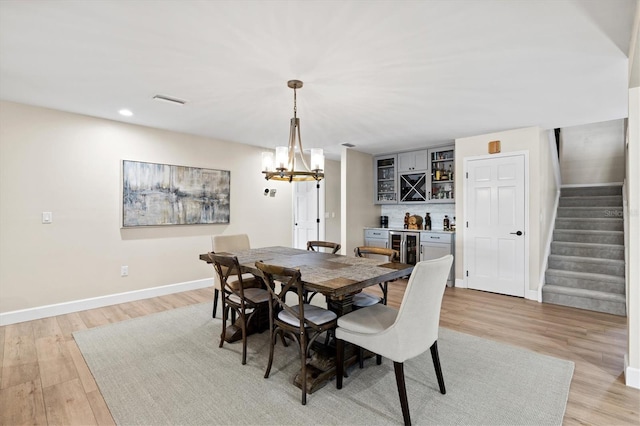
(161, 194)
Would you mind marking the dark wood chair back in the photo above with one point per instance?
(364, 251)
(316, 245)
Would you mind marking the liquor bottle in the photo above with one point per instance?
(427, 222)
(450, 173)
(445, 222)
(438, 172)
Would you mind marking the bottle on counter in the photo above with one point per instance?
(452, 226)
(445, 222)
(427, 222)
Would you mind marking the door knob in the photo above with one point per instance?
(516, 233)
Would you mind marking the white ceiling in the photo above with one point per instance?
(382, 75)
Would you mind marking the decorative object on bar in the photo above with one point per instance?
(284, 166)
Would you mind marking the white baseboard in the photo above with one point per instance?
(529, 294)
(631, 374)
(30, 314)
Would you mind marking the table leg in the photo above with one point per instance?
(258, 324)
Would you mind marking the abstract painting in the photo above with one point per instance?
(162, 194)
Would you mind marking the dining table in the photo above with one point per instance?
(337, 277)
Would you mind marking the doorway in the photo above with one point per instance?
(496, 234)
(308, 212)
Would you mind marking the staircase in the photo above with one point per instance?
(586, 265)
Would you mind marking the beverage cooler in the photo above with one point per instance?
(407, 243)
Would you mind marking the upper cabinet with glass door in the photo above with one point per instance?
(442, 175)
(385, 175)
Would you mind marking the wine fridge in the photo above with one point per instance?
(407, 243)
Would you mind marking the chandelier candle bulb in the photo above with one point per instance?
(282, 157)
(317, 159)
(267, 162)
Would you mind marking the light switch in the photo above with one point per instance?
(47, 217)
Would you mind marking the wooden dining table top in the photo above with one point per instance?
(333, 275)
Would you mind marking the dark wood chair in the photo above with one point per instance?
(318, 245)
(226, 243)
(400, 334)
(244, 301)
(362, 299)
(302, 322)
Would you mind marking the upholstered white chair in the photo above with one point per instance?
(400, 334)
(226, 243)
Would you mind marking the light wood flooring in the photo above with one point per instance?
(44, 379)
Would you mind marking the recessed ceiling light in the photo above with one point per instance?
(125, 112)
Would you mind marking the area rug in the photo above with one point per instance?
(167, 369)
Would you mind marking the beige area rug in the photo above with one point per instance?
(167, 369)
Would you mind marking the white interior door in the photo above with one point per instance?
(308, 206)
(495, 233)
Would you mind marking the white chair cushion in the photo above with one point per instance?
(363, 299)
(313, 313)
(255, 295)
(372, 319)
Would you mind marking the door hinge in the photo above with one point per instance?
(467, 173)
(467, 224)
(467, 273)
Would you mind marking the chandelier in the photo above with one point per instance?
(283, 168)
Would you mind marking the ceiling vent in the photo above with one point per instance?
(174, 101)
(348, 145)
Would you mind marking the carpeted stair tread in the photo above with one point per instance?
(584, 280)
(601, 251)
(582, 223)
(583, 259)
(587, 264)
(591, 191)
(586, 276)
(589, 236)
(592, 201)
(591, 294)
(592, 300)
(590, 212)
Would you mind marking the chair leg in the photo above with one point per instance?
(216, 293)
(436, 365)
(303, 358)
(243, 320)
(339, 362)
(402, 392)
(384, 288)
(225, 312)
(378, 359)
(360, 357)
(273, 337)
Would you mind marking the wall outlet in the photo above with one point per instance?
(124, 271)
